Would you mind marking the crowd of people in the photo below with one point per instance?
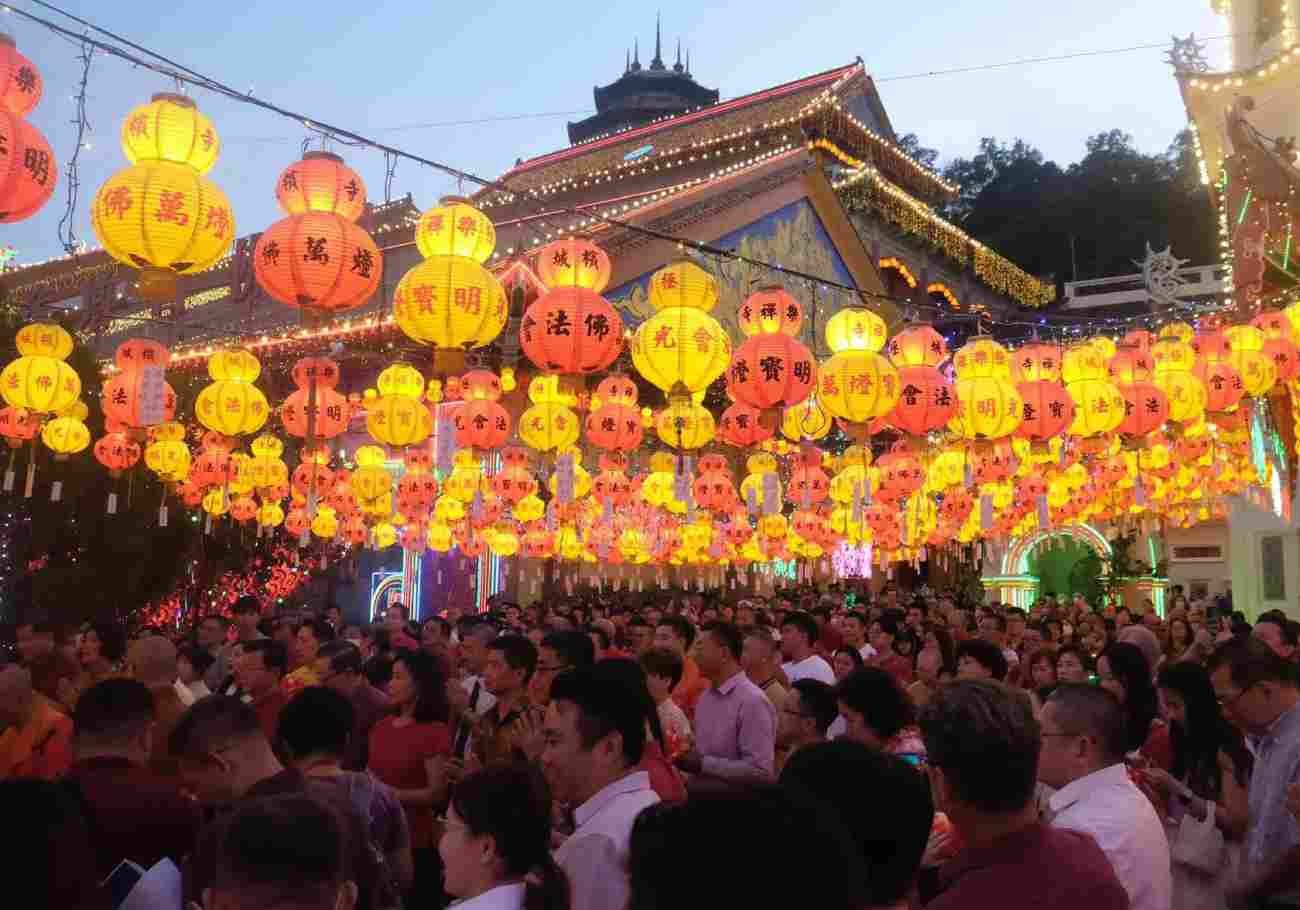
(835, 748)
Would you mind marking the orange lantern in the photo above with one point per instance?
(616, 427)
(925, 402)
(571, 330)
(1137, 340)
(616, 389)
(482, 424)
(21, 83)
(1146, 408)
(1285, 356)
(770, 310)
(771, 370)
(1046, 409)
(574, 262)
(18, 425)
(917, 346)
(1036, 361)
(318, 261)
(321, 182)
(28, 170)
(121, 399)
(742, 425)
(1131, 365)
(1223, 386)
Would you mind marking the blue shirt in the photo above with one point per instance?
(1272, 831)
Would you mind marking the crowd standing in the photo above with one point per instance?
(832, 748)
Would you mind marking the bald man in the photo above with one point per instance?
(152, 661)
(35, 736)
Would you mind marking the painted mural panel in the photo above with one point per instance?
(792, 236)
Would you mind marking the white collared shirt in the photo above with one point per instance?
(1122, 821)
(812, 667)
(867, 652)
(595, 857)
(503, 897)
(486, 700)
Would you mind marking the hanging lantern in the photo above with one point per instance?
(988, 408)
(1082, 362)
(1098, 406)
(858, 386)
(982, 358)
(685, 425)
(770, 310)
(1046, 409)
(1146, 408)
(482, 424)
(450, 302)
(549, 425)
(114, 451)
(170, 128)
(39, 380)
(771, 370)
(855, 329)
(28, 171)
(571, 330)
(1285, 356)
(683, 284)
(21, 83)
(332, 412)
(398, 421)
(455, 228)
(318, 261)
(925, 400)
(1130, 365)
(1177, 331)
(742, 426)
(232, 405)
(1256, 369)
(917, 346)
(574, 262)
(321, 182)
(615, 426)
(67, 434)
(681, 347)
(1036, 361)
(807, 420)
(1223, 386)
(167, 455)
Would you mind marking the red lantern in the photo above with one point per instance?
(318, 261)
(616, 427)
(1146, 408)
(917, 346)
(418, 459)
(770, 310)
(243, 508)
(1130, 366)
(297, 522)
(571, 330)
(1223, 385)
(612, 485)
(771, 371)
(333, 413)
(513, 483)
(310, 477)
(321, 369)
(482, 424)
(121, 399)
(926, 401)
(574, 261)
(135, 353)
(1210, 347)
(1036, 361)
(1048, 409)
(355, 530)
(28, 170)
(321, 182)
(1138, 340)
(1285, 356)
(114, 451)
(743, 426)
(617, 389)
(211, 468)
(21, 84)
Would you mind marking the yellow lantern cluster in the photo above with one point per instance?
(167, 455)
(989, 404)
(685, 425)
(397, 417)
(1098, 405)
(232, 405)
(450, 300)
(39, 380)
(1174, 360)
(67, 434)
(549, 423)
(681, 348)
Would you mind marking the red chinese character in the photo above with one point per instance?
(117, 201)
(703, 340)
(424, 297)
(435, 223)
(669, 281)
(138, 125)
(467, 225)
(170, 205)
(664, 338)
(218, 220)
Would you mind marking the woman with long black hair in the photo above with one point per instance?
(1124, 672)
(496, 842)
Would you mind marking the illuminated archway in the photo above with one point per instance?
(1014, 583)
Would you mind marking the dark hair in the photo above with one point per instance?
(344, 657)
(763, 634)
(320, 629)
(919, 604)
(943, 638)
(1196, 745)
(112, 640)
(113, 710)
(681, 627)
(1084, 709)
(676, 850)
(883, 801)
(606, 703)
(1085, 659)
(1141, 703)
(275, 656)
(986, 654)
(281, 850)
(316, 720)
(664, 663)
(984, 737)
(855, 656)
(859, 617)
(378, 670)
(519, 653)
(246, 604)
(57, 856)
(431, 705)
(888, 623)
(605, 642)
(199, 658)
(999, 621)
(804, 623)
(512, 804)
(727, 634)
(212, 722)
(574, 648)
(1250, 662)
(818, 700)
(878, 697)
(217, 618)
(444, 627)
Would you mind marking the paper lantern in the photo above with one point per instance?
(455, 228)
(43, 339)
(1178, 331)
(549, 426)
(616, 389)
(1034, 362)
(1138, 340)
(18, 425)
(1274, 324)
(28, 171)
(121, 399)
(1146, 408)
(681, 347)
(234, 365)
(167, 456)
(1172, 355)
(1082, 362)
(65, 435)
(232, 408)
(332, 411)
(855, 329)
(42, 384)
(170, 128)
(321, 182)
(1130, 366)
(858, 386)
(1186, 394)
(1098, 406)
(683, 284)
(615, 426)
(398, 420)
(450, 302)
(982, 358)
(770, 310)
(21, 83)
(318, 261)
(1246, 354)
(807, 420)
(1285, 356)
(482, 424)
(685, 425)
(925, 401)
(1223, 386)
(571, 330)
(988, 408)
(771, 370)
(743, 426)
(1046, 409)
(574, 262)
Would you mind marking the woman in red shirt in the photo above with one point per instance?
(408, 751)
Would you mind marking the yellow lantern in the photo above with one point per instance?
(1172, 355)
(385, 535)
(41, 384)
(371, 479)
(1258, 372)
(168, 458)
(855, 329)
(44, 339)
(450, 302)
(858, 386)
(326, 523)
(1083, 362)
(455, 228)
(549, 426)
(685, 425)
(581, 479)
(989, 408)
(1098, 407)
(170, 128)
(241, 474)
(267, 447)
(439, 537)
(215, 502)
(948, 469)
(773, 526)
(681, 347)
(400, 379)
(554, 389)
(270, 515)
(231, 408)
(1177, 331)
(65, 435)
(1104, 345)
(530, 508)
(683, 284)
(398, 420)
(982, 358)
(806, 420)
(1186, 393)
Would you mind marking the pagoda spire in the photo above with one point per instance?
(657, 63)
(677, 67)
(636, 54)
(627, 59)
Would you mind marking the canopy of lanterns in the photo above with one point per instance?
(983, 443)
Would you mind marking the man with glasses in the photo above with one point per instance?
(559, 651)
(1257, 691)
(808, 712)
(338, 665)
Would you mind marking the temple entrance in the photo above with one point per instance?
(1066, 566)
(1063, 560)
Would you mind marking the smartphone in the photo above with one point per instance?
(121, 880)
(913, 758)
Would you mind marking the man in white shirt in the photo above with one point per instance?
(1082, 756)
(799, 634)
(473, 652)
(854, 629)
(594, 735)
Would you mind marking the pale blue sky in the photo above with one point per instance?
(378, 64)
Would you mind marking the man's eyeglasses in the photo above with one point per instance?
(1231, 700)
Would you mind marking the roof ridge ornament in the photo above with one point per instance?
(1187, 55)
(657, 63)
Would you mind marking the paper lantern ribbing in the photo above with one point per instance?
(571, 330)
(450, 302)
(982, 358)
(770, 310)
(170, 128)
(742, 426)
(321, 182)
(771, 370)
(455, 228)
(1035, 361)
(398, 417)
(28, 171)
(66, 435)
(116, 452)
(1046, 409)
(39, 380)
(685, 425)
(925, 401)
(482, 424)
(21, 83)
(1098, 406)
(988, 407)
(1146, 408)
(917, 346)
(232, 405)
(318, 261)
(681, 347)
(682, 283)
(549, 425)
(858, 385)
(574, 262)
(855, 329)
(615, 426)
(122, 398)
(331, 409)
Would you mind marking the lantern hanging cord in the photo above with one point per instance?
(72, 173)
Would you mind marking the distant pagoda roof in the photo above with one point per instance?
(643, 95)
